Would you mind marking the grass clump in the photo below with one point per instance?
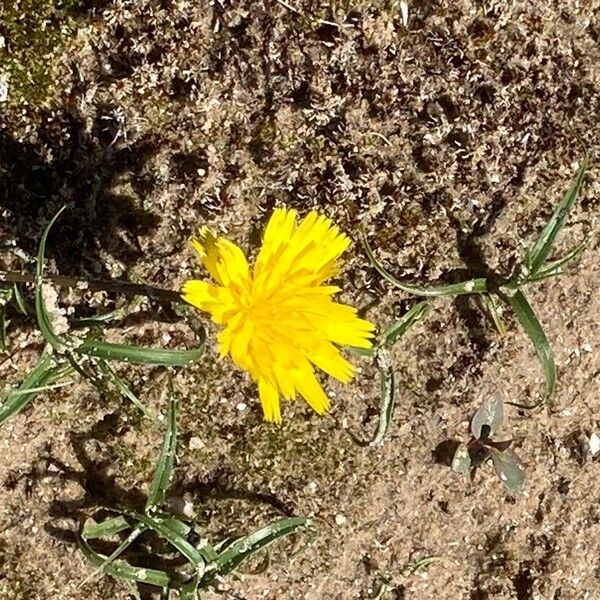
(535, 268)
(200, 561)
(67, 353)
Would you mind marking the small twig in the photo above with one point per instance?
(126, 288)
(289, 7)
(381, 136)
(321, 21)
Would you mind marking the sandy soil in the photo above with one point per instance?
(449, 139)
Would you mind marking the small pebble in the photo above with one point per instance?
(196, 443)
(312, 487)
(594, 444)
(340, 520)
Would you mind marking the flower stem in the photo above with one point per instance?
(126, 288)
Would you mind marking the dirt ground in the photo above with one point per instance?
(449, 138)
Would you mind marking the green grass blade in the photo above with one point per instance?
(164, 528)
(123, 570)
(241, 549)
(20, 300)
(5, 298)
(489, 304)
(189, 591)
(2, 327)
(517, 301)
(386, 408)
(115, 315)
(554, 267)
(473, 286)
(42, 374)
(370, 352)
(538, 253)
(92, 530)
(139, 354)
(135, 533)
(43, 388)
(182, 529)
(400, 327)
(43, 318)
(166, 461)
(100, 348)
(121, 386)
(422, 563)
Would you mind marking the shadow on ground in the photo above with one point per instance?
(68, 165)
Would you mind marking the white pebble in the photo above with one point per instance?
(196, 443)
(312, 487)
(340, 520)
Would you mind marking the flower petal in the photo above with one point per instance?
(205, 244)
(311, 390)
(328, 358)
(269, 398)
(224, 260)
(216, 300)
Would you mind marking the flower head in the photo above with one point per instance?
(280, 320)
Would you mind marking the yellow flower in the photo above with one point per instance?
(280, 320)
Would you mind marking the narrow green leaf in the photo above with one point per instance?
(123, 570)
(241, 549)
(115, 315)
(164, 468)
(5, 298)
(92, 530)
(177, 541)
(139, 354)
(509, 468)
(386, 407)
(2, 328)
(420, 564)
(44, 373)
(518, 302)
(121, 386)
(20, 300)
(400, 327)
(135, 533)
(554, 267)
(370, 352)
(490, 306)
(473, 286)
(100, 348)
(189, 590)
(182, 529)
(43, 318)
(538, 253)
(43, 388)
